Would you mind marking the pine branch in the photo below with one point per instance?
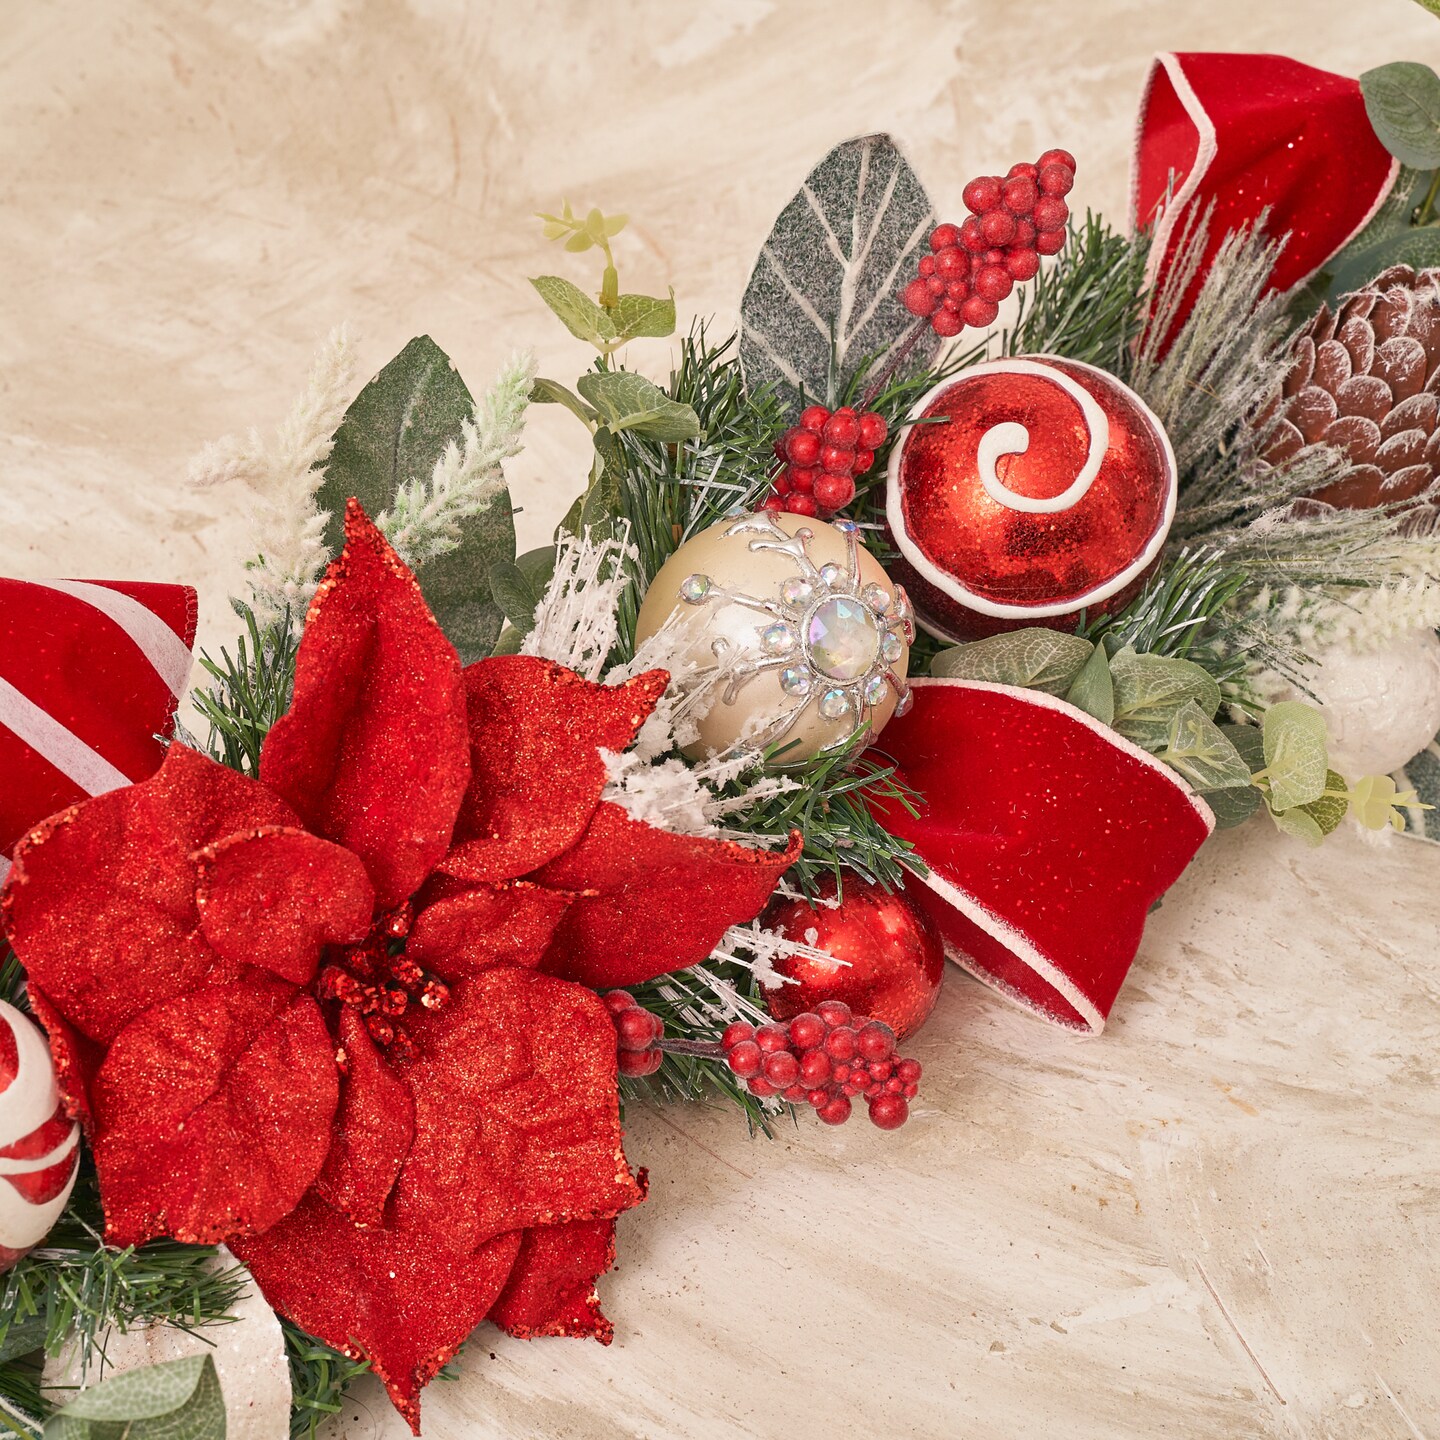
(251, 691)
(319, 1379)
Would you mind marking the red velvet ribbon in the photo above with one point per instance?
(1048, 838)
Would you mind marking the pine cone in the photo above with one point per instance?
(1367, 380)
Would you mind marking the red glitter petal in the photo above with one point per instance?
(458, 935)
(652, 901)
(276, 897)
(112, 878)
(374, 1128)
(395, 1299)
(517, 1118)
(76, 1059)
(536, 730)
(213, 1113)
(373, 752)
(551, 1290)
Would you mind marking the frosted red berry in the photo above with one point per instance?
(639, 1062)
(735, 1033)
(889, 1112)
(998, 227)
(759, 1086)
(876, 1043)
(952, 264)
(982, 194)
(814, 418)
(802, 481)
(1057, 157)
(772, 1037)
(1056, 179)
(1022, 169)
(803, 505)
(1051, 213)
(834, 1013)
(979, 312)
(942, 237)
(864, 459)
(947, 323)
(840, 1043)
(873, 430)
(618, 1000)
(1022, 264)
(909, 1071)
(745, 1059)
(815, 1067)
(807, 1030)
(927, 264)
(918, 298)
(834, 492)
(1050, 242)
(1019, 195)
(834, 1112)
(782, 1068)
(970, 236)
(802, 446)
(842, 429)
(993, 283)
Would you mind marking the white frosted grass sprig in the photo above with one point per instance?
(425, 519)
(577, 621)
(284, 474)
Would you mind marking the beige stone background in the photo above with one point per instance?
(1219, 1220)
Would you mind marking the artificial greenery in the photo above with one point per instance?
(171, 1400)
(319, 1378)
(251, 690)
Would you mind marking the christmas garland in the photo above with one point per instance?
(482, 848)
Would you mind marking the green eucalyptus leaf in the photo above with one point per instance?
(519, 587)
(1232, 806)
(397, 428)
(1034, 659)
(1198, 750)
(1402, 100)
(1248, 740)
(626, 401)
(580, 240)
(1419, 249)
(644, 317)
(551, 392)
(1151, 689)
(1093, 690)
(174, 1400)
(1299, 823)
(509, 642)
(1333, 806)
(1295, 754)
(581, 316)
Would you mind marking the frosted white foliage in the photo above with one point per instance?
(284, 474)
(1376, 617)
(426, 517)
(757, 949)
(577, 621)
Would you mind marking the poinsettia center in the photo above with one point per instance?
(376, 978)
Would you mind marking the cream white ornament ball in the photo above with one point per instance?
(804, 637)
(1381, 707)
(39, 1143)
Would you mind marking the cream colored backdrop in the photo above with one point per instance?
(1221, 1219)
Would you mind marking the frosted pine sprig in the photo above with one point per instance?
(285, 474)
(425, 520)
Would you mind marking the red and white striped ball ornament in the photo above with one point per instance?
(1025, 491)
(39, 1142)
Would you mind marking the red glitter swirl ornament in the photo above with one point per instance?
(1035, 488)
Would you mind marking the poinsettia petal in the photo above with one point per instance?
(652, 901)
(393, 1298)
(373, 751)
(276, 897)
(536, 732)
(75, 1058)
(551, 1290)
(464, 930)
(100, 905)
(517, 1119)
(374, 1128)
(212, 1113)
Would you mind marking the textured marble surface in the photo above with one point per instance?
(1219, 1220)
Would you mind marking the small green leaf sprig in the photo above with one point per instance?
(1168, 707)
(172, 1400)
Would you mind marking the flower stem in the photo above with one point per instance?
(896, 360)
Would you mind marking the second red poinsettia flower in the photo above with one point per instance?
(340, 1017)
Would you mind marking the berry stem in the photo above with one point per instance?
(895, 362)
(710, 1049)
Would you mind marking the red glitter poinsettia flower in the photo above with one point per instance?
(340, 1017)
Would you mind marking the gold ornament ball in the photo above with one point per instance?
(807, 637)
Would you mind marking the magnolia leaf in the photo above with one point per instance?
(644, 316)
(174, 1400)
(580, 315)
(570, 520)
(551, 392)
(1332, 807)
(626, 401)
(1403, 102)
(1295, 754)
(519, 587)
(1151, 689)
(823, 298)
(394, 433)
(1417, 248)
(1033, 659)
(1198, 749)
(1093, 689)
(1299, 823)
(1231, 806)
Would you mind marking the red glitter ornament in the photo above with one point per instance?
(1049, 490)
(893, 953)
(330, 1016)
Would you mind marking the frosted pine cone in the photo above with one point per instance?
(1367, 380)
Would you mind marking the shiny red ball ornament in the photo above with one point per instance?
(1042, 487)
(894, 954)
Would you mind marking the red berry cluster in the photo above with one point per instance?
(1012, 223)
(825, 1059)
(638, 1032)
(822, 455)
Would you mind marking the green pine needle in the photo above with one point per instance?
(319, 1378)
(251, 692)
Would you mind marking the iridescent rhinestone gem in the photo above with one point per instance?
(875, 688)
(877, 597)
(845, 527)
(778, 639)
(795, 681)
(842, 638)
(797, 591)
(834, 704)
(832, 575)
(905, 701)
(892, 647)
(694, 588)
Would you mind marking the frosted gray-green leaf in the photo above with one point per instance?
(1419, 249)
(1198, 750)
(1035, 659)
(1403, 102)
(397, 428)
(1093, 689)
(1295, 754)
(581, 316)
(518, 587)
(1232, 806)
(175, 1400)
(1151, 689)
(626, 401)
(551, 392)
(644, 317)
(824, 295)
